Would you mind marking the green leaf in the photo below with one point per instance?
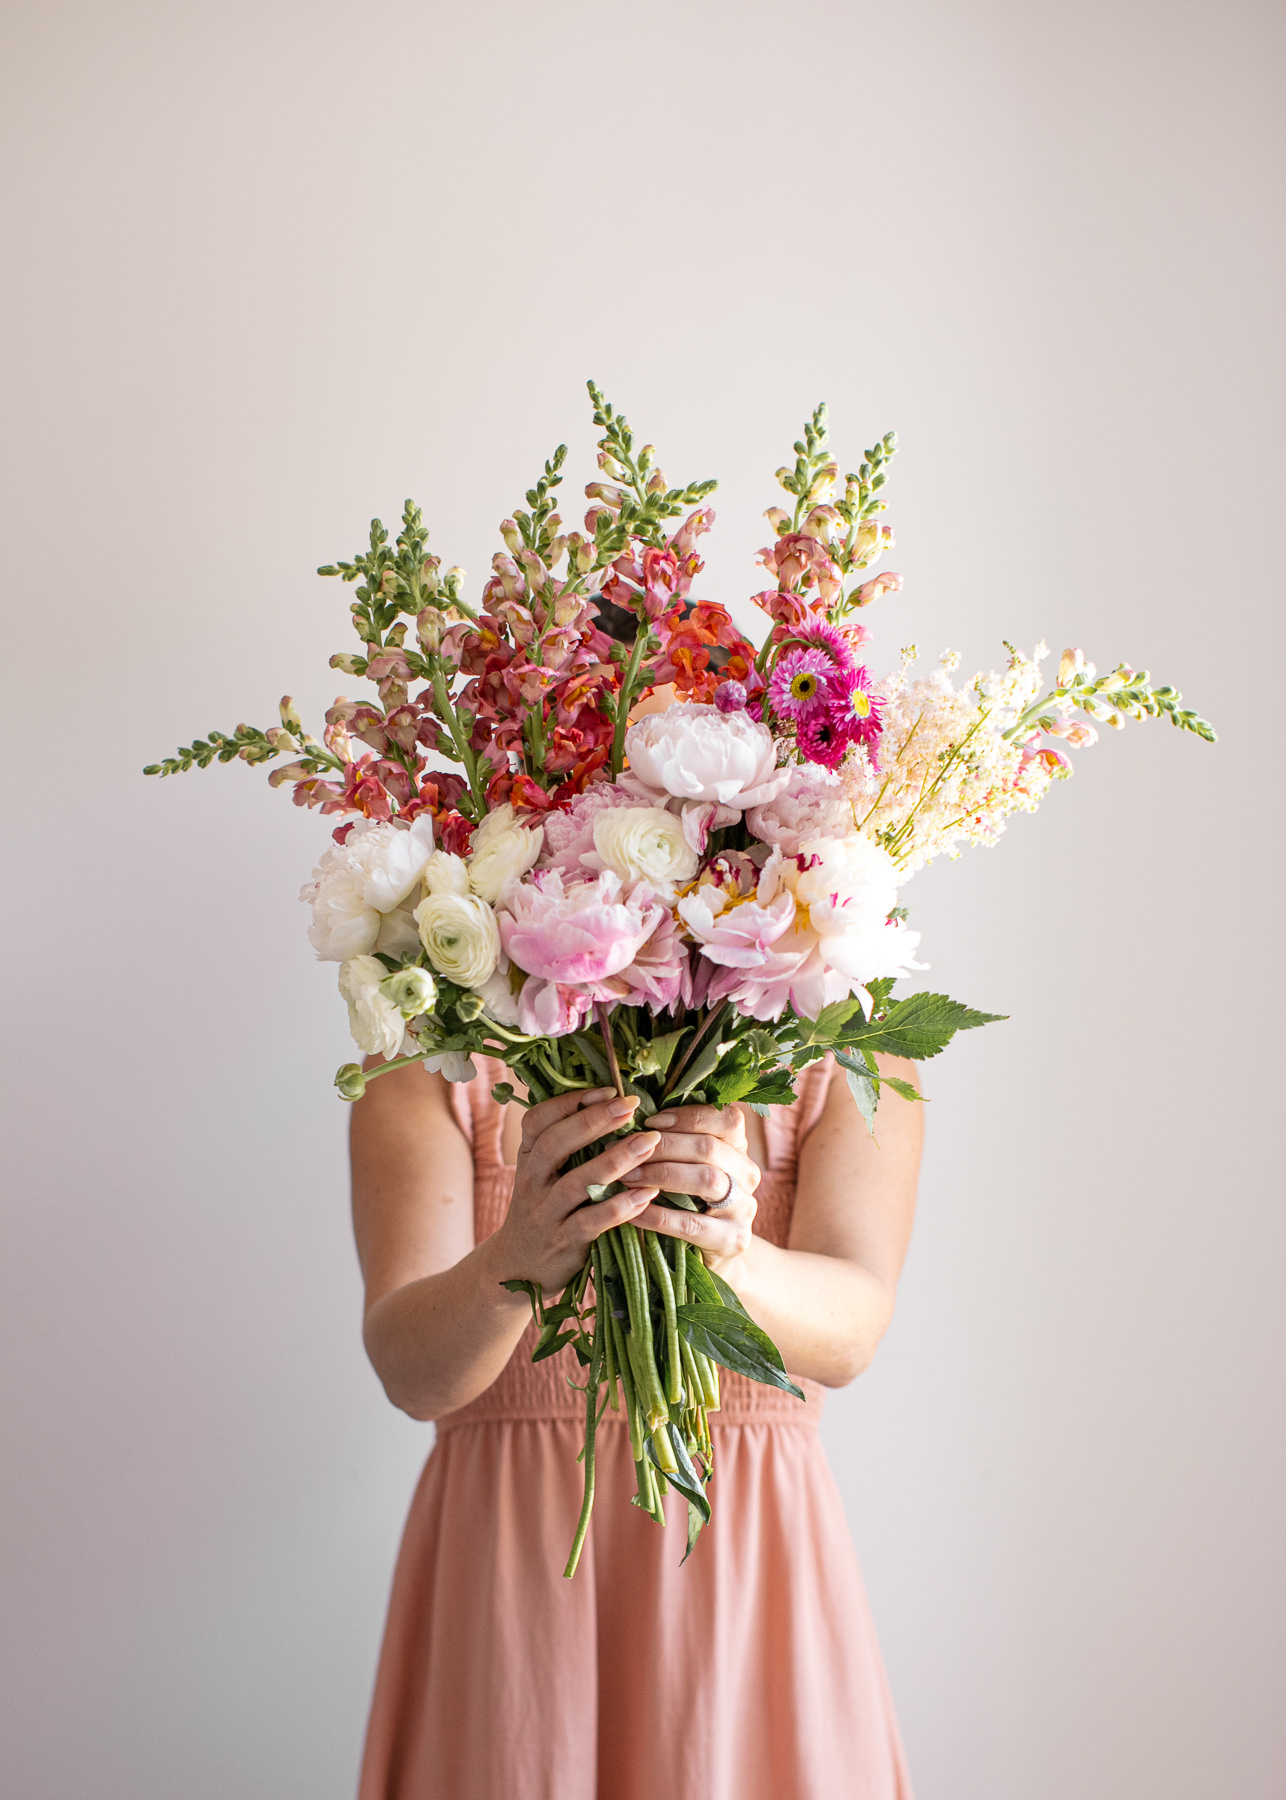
(865, 1092)
(917, 1027)
(695, 1522)
(907, 1089)
(533, 1291)
(685, 1479)
(734, 1340)
(831, 1018)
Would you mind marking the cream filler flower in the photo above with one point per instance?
(375, 1020)
(700, 753)
(643, 843)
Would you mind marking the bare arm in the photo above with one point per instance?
(828, 1298)
(439, 1327)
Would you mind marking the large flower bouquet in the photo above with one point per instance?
(540, 859)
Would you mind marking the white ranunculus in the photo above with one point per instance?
(459, 933)
(376, 1023)
(445, 873)
(700, 753)
(358, 881)
(501, 850)
(643, 843)
(412, 990)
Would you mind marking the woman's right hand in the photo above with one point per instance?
(550, 1223)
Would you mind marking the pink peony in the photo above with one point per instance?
(737, 935)
(575, 933)
(812, 804)
(551, 1009)
(661, 971)
(569, 834)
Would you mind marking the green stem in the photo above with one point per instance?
(688, 1054)
(609, 1045)
(591, 1424)
(624, 699)
(674, 1360)
(447, 714)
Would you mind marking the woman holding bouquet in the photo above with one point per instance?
(752, 1670)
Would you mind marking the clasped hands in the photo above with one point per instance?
(695, 1150)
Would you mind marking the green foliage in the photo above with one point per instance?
(918, 1027)
(732, 1339)
(399, 579)
(538, 527)
(646, 501)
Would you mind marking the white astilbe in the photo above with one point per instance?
(947, 778)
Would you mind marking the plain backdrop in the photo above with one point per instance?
(270, 268)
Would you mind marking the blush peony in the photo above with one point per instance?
(700, 753)
(371, 873)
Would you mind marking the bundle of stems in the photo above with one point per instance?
(650, 1325)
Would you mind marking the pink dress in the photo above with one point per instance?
(750, 1673)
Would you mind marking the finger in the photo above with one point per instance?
(725, 1123)
(704, 1231)
(709, 1182)
(611, 1164)
(691, 1154)
(539, 1118)
(619, 1210)
(575, 1131)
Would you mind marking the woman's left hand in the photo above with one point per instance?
(702, 1152)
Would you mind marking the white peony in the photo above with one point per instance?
(376, 1023)
(845, 890)
(501, 851)
(398, 936)
(498, 998)
(700, 753)
(358, 881)
(454, 1065)
(459, 933)
(643, 843)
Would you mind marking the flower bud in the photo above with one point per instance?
(289, 717)
(470, 1007)
(510, 533)
(429, 578)
(1070, 665)
(453, 581)
(656, 482)
(778, 518)
(350, 1081)
(348, 664)
(412, 990)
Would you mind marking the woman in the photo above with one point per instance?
(752, 1671)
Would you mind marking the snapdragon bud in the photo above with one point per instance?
(510, 533)
(289, 716)
(1070, 665)
(350, 1081)
(656, 482)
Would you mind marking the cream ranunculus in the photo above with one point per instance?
(700, 753)
(360, 880)
(376, 1023)
(459, 933)
(643, 843)
(445, 873)
(501, 851)
(411, 990)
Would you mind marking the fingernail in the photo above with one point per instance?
(591, 1096)
(661, 1120)
(646, 1142)
(621, 1109)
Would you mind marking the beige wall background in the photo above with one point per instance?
(271, 268)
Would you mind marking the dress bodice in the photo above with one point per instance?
(527, 1390)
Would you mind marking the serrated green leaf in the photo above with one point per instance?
(918, 1027)
(864, 1091)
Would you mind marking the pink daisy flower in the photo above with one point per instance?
(856, 710)
(834, 643)
(800, 684)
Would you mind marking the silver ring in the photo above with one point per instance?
(718, 1205)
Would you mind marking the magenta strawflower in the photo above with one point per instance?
(835, 643)
(821, 739)
(800, 684)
